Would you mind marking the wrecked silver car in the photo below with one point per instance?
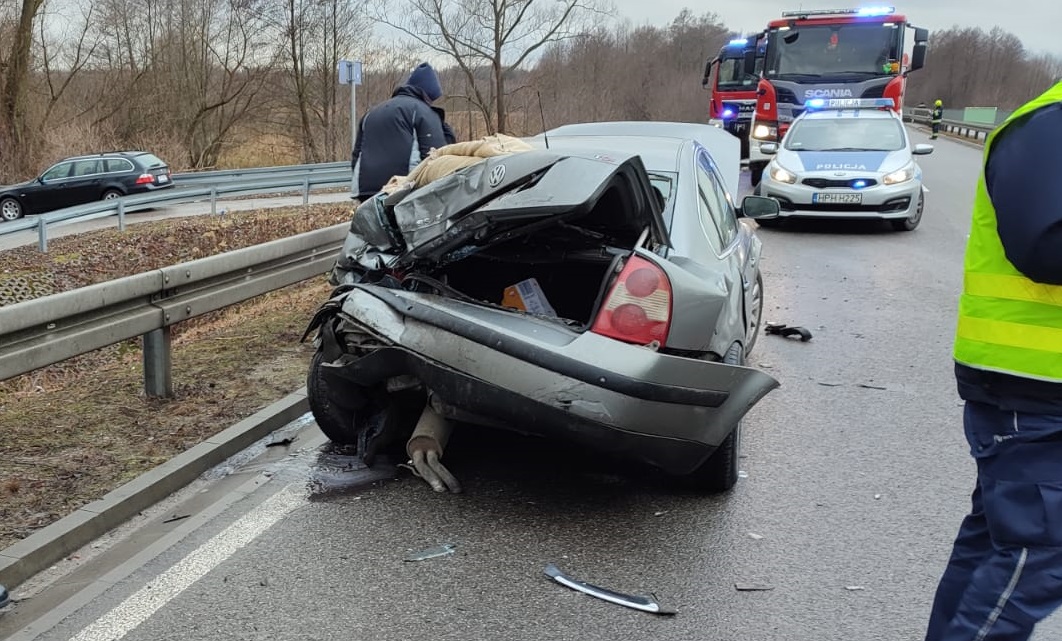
(539, 292)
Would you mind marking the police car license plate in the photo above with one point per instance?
(836, 199)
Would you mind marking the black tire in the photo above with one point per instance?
(756, 173)
(333, 411)
(720, 472)
(753, 332)
(111, 194)
(911, 223)
(11, 209)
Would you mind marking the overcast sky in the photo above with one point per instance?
(1037, 22)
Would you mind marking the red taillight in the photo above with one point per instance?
(638, 307)
(145, 179)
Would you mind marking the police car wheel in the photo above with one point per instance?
(911, 223)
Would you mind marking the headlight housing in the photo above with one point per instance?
(781, 174)
(765, 132)
(900, 176)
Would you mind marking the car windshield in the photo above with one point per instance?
(732, 74)
(833, 50)
(846, 134)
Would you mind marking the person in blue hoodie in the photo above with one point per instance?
(1005, 571)
(394, 136)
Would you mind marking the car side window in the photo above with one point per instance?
(62, 170)
(118, 165)
(87, 167)
(711, 230)
(721, 208)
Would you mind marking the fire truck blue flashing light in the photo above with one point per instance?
(816, 103)
(877, 11)
(728, 113)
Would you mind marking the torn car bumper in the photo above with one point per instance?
(536, 376)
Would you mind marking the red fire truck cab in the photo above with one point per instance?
(830, 53)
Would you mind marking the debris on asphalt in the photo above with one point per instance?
(445, 549)
(877, 497)
(280, 438)
(645, 604)
(854, 588)
(742, 474)
(660, 513)
(869, 386)
(753, 587)
(177, 517)
(830, 384)
(785, 331)
(755, 536)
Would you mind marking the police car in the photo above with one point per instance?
(846, 158)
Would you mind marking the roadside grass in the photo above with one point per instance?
(72, 432)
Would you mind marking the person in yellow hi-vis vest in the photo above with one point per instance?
(1005, 571)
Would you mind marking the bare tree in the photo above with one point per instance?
(16, 79)
(500, 35)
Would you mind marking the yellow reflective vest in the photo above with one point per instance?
(1007, 322)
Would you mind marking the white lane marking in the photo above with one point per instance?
(152, 597)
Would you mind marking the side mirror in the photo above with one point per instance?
(760, 208)
(918, 57)
(769, 148)
(922, 149)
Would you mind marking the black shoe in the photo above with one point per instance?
(4, 599)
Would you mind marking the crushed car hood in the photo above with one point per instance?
(501, 198)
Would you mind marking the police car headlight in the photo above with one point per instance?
(901, 176)
(782, 175)
(764, 132)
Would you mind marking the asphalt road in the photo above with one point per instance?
(856, 478)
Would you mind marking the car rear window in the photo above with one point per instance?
(151, 160)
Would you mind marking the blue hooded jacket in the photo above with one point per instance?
(394, 136)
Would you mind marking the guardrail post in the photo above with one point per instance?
(306, 190)
(158, 375)
(121, 215)
(213, 200)
(42, 234)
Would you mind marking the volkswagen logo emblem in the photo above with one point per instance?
(496, 175)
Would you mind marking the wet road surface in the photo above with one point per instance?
(856, 477)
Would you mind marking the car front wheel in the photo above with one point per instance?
(720, 472)
(911, 223)
(10, 209)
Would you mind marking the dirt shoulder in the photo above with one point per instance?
(72, 432)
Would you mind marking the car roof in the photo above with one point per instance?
(724, 148)
(103, 154)
(658, 154)
(850, 114)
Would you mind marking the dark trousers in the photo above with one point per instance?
(1005, 572)
(936, 128)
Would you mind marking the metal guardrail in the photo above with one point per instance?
(976, 131)
(204, 186)
(217, 177)
(51, 329)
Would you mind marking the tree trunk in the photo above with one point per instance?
(499, 95)
(12, 111)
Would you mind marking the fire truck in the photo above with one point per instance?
(733, 76)
(830, 53)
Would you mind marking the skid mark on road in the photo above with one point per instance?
(139, 607)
